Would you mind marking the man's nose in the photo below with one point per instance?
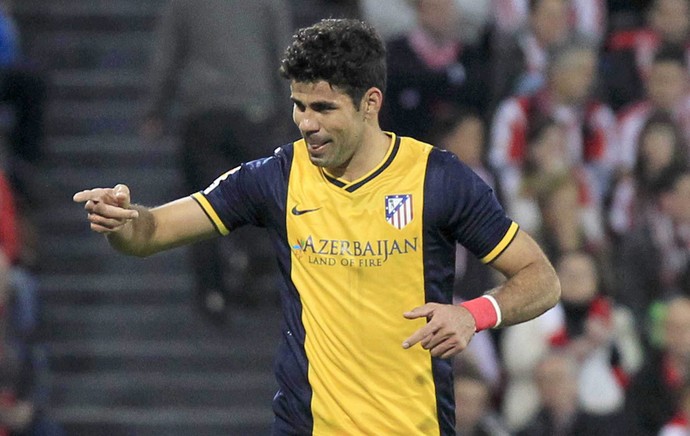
(307, 124)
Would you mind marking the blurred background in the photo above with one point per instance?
(577, 112)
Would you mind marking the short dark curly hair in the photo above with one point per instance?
(348, 54)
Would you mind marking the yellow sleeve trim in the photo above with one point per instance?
(507, 239)
(213, 216)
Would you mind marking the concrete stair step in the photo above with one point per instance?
(203, 356)
(140, 179)
(112, 146)
(89, 52)
(111, 81)
(85, 16)
(166, 389)
(169, 421)
(132, 322)
(69, 322)
(70, 263)
(111, 116)
(90, 289)
(82, 8)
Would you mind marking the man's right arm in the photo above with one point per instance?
(141, 231)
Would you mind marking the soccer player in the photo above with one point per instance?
(364, 225)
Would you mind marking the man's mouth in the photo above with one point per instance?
(318, 145)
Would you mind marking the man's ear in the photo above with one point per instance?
(371, 102)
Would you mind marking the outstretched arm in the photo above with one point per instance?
(142, 231)
(531, 289)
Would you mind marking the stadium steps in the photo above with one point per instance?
(128, 352)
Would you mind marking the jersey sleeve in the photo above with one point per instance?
(468, 210)
(246, 194)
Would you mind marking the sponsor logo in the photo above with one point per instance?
(352, 253)
(298, 212)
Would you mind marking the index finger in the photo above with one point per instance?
(417, 336)
(91, 194)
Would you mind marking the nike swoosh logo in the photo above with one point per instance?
(296, 211)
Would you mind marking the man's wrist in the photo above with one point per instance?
(485, 311)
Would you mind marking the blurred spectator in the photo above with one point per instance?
(522, 346)
(474, 412)
(626, 14)
(519, 59)
(655, 257)
(668, 89)
(464, 135)
(679, 425)
(307, 12)
(432, 73)
(23, 391)
(23, 91)
(653, 396)
(629, 53)
(9, 234)
(542, 199)
(560, 413)
(568, 221)
(475, 18)
(661, 148)
(393, 18)
(590, 126)
(587, 17)
(219, 56)
(598, 333)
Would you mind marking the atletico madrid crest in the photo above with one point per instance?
(399, 210)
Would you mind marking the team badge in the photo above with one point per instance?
(399, 210)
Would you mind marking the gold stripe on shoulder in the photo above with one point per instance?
(206, 206)
(507, 239)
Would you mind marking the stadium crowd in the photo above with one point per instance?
(577, 112)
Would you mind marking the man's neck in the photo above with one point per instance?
(370, 154)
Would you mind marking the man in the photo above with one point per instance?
(655, 390)
(364, 224)
(663, 234)
(433, 73)
(566, 98)
(216, 58)
(556, 377)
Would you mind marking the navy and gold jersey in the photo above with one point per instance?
(355, 256)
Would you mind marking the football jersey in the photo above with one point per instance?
(355, 255)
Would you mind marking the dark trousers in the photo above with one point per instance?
(239, 269)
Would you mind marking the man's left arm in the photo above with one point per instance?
(532, 287)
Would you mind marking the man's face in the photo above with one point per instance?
(574, 75)
(439, 17)
(671, 18)
(667, 83)
(329, 122)
(550, 21)
(677, 328)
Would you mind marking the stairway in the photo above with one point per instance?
(128, 353)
